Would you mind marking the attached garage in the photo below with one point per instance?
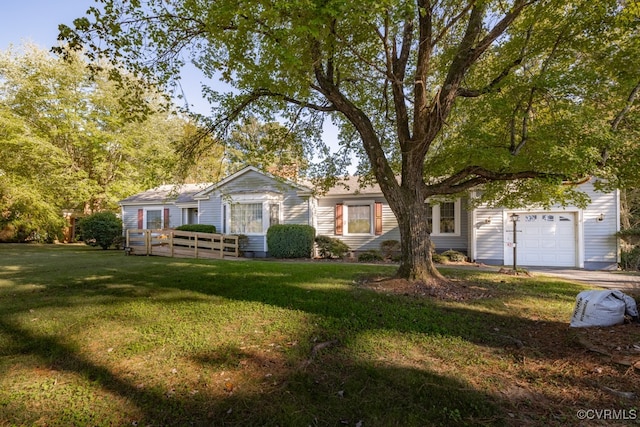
(543, 239)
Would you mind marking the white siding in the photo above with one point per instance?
(489, 235)
(596, 243)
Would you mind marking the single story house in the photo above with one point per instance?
(250, 201)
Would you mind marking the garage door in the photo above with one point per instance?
(543, 239)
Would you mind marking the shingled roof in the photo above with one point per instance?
(178, 193)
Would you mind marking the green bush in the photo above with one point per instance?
(630, 259)
(100, 229)
(329, 247)
(454, 256)
(439, 258)
(370, 256)
(290, 240)
(197, 228)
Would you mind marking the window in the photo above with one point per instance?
(447, 217)
(359, 219)
(444, 218)
(154, 219)
(251, 214)
(246, 218)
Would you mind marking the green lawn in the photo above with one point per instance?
(92, 337)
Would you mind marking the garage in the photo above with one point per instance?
(543, 239)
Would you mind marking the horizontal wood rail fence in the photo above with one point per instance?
(180, 244)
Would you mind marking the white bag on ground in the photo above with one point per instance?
(602, 308)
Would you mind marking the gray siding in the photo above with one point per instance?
(130, 215)
(326, 226)
(210, 212)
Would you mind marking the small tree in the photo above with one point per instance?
(100, 229)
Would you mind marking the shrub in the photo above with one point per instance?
(439, 258)
(630, 259)
(197, 228)
(290, 240)
(390, 249)
(370, 256)
(330, 247)
(454, 256)
(100, 229)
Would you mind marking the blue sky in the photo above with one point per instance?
(36, 21)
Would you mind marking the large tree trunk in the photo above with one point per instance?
(415, 240)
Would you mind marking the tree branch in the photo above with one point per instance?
(472, 176)
(492, 86)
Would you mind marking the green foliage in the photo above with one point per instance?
(439, 258)
(630, 259)
(68, 144)
(454, 256)
(100, 229)
(290, 240)
(370, 256)
(197, 228)
(329, 247)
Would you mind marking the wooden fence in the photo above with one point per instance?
(180, 244)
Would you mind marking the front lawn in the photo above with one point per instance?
(92, 337)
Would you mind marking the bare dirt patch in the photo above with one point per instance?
(453, 290)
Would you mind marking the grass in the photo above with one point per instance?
(91, 337)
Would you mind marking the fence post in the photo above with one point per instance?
(196, 245)
(171, 243)
(147, 241)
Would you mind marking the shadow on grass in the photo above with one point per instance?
(336, 389)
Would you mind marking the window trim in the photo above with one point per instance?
(345, 216)
(163, 217)
(252, 199)
(435, 216)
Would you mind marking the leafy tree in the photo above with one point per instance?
(267, 146)
(437, 98)
(100, 229)
(67, 142)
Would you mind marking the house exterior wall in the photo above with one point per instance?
(254, 186)
(130, 214)
(482, 233)
(596, 242)
(390, 231)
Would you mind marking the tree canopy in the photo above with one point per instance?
(68, 144)
(436, 97)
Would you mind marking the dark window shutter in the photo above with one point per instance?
(338, 225)
(166, 218)
(140, 218)
(378, 218)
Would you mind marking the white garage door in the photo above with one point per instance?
(543, 239)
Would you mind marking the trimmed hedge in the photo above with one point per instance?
(290, 240)
(197, 228)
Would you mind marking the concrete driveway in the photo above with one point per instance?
(606, 279)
